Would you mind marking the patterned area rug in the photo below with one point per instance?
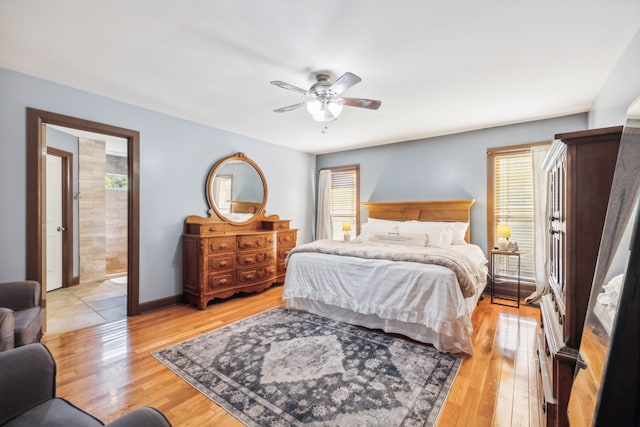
(290, 368)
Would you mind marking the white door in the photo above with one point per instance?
(54, 222)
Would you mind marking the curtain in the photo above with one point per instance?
(540, 232)
(324, 227)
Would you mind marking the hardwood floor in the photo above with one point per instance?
(108, 369)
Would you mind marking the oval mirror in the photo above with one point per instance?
(236, 189)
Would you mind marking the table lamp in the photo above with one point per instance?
(504, 233)
(346, 227)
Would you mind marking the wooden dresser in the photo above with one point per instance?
(580, 175)
(221, 259)
(238, 248)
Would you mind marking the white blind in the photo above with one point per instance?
(513, 205)
(344, 199)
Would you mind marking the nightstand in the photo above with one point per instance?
(495, 256)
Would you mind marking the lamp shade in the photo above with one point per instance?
(504, 231)
(325, 110)
(346, 226)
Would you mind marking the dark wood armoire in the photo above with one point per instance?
(580, 171)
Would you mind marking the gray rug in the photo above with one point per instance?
(289, 368)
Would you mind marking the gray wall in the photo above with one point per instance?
(446, 167)
(175, 158)
(620, 90)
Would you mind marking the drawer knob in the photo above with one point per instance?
(249, 276)
(223, 281)
(222, 263)
(212, 229)
(222, 246)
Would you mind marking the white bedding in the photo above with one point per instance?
(421, 301)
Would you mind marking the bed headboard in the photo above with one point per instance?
(424, 210)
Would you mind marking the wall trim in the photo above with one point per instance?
(161, 303)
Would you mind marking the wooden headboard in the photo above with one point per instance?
(424, 210)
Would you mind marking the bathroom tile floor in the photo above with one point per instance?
(86, 304)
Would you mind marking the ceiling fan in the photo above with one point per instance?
(326, 103)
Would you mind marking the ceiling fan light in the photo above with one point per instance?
(335, 108)
(314, 107)
(323, 111)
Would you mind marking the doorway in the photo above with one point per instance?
(37, 120)
(94, 291)
(59, 228)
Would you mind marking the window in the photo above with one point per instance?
(222, 191)
(345, 199)
(510, 201)
(113, 181)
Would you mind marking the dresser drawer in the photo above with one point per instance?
(221, 244)
(282, 267)
(216, 281)
(287, 238)
(246, 259)
(254, 275)
(276, 225)
(283, 252)
(206, 229)
(222, 262)
(255, 241)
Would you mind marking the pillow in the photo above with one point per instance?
(410, 239)
(458, 231)
(378, 226)
(384, 223)
(439, 234)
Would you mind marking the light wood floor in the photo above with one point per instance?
(108, 369)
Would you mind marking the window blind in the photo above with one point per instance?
(345, 199)
(513, 205)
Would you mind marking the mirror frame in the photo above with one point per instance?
(213, 209)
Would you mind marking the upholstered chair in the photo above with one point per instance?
(20, 314)
(28, 395)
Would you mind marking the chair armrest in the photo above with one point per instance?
(141, 417)
(20, 295)
(7, 328)
(27, 378)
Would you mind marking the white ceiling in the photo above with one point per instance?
(438, 67)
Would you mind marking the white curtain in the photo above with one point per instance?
(540, 232)
(324, 226)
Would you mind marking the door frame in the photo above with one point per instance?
(36, 192)
(67, 214)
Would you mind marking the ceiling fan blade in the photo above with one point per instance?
(289, 107)
(371, 104)
(287, 86)
(343, 83)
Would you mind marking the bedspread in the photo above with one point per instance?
(467, 273)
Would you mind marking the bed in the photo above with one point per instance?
(423, 287)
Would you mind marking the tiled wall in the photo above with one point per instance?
(92, 204)
(116, 231)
